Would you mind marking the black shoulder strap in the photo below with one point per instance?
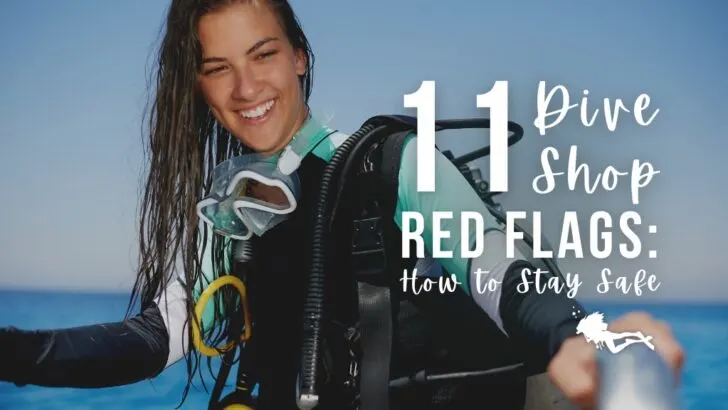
(390, 161)
(378, 304)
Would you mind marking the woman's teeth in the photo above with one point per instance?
(258, 111)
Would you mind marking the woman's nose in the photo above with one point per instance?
(247, 85)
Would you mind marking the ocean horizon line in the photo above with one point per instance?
(587, 300)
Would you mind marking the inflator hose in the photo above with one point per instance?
(314, 297)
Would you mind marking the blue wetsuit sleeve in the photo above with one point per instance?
(100, 355)
(134, 349)
(536, 323)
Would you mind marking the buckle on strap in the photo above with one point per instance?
(368, 254)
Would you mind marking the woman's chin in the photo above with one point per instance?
(262, 146)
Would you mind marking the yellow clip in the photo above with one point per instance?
(200, 309)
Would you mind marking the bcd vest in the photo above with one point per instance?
(435, 333)
(377, 340)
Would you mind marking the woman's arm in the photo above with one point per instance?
(101, 355)
(537, 323)
(109, 354)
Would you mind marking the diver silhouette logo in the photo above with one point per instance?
(595, 331)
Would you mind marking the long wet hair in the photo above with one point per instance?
(184, 142)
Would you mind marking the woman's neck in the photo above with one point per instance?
(300, 122)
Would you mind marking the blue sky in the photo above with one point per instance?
(73, 82)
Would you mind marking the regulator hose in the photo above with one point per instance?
(314, 296)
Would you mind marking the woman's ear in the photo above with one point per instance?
(301, 60)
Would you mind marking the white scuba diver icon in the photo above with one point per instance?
(595, 330)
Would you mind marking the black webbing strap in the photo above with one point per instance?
(235, 331)
(376, 328)
(378, 304)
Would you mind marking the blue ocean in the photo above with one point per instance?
(702, 329)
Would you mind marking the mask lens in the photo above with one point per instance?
(260, 195)
(260, 221)
(222, 216)
(224, 221)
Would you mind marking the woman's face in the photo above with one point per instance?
(249, 75)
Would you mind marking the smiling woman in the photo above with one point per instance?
(233, 145)
(251, 76)
(232, 77)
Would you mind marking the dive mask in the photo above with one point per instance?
(249, 195)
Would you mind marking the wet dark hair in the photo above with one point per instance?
(185, 142)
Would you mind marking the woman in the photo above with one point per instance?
(235, 77)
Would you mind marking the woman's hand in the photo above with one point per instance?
(574, 368)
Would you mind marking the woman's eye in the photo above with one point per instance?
(213, 70)
(263, 56)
